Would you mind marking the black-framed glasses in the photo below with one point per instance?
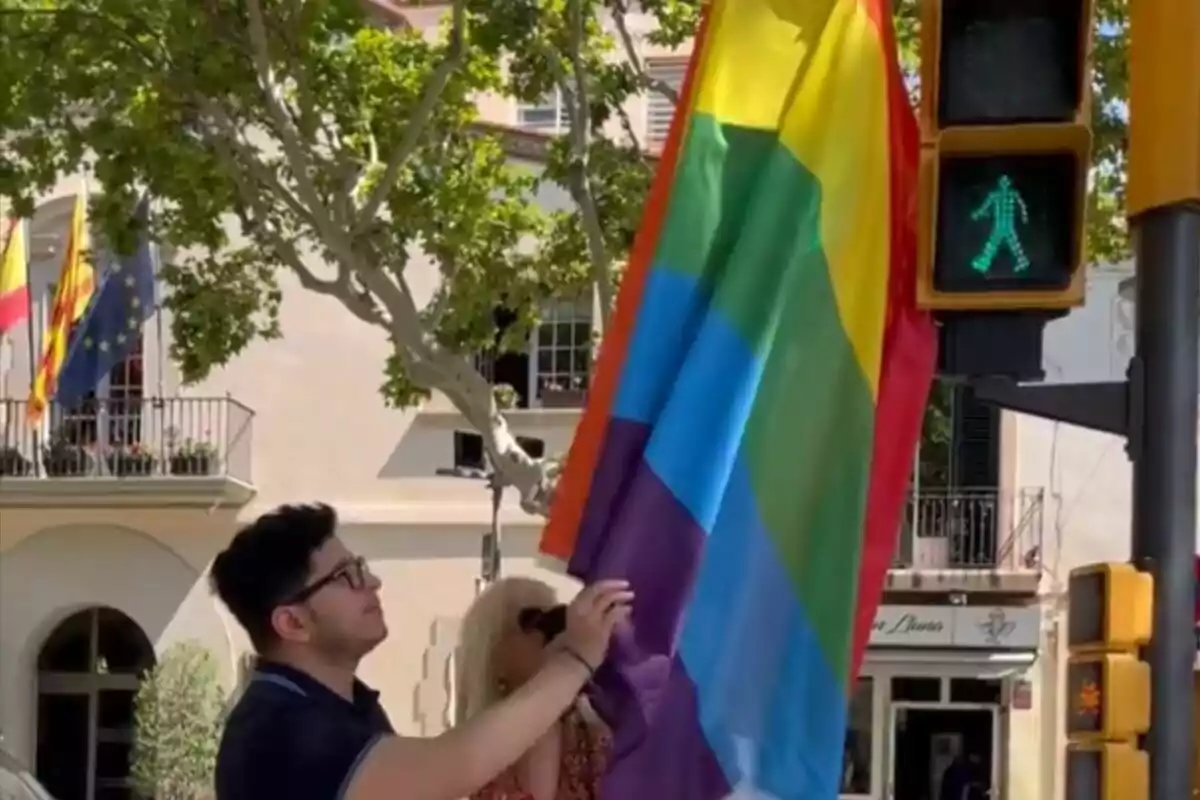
(353, 573)
(549, 622)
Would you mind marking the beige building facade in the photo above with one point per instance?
(102, 567)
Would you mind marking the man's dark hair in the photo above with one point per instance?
(267, 562)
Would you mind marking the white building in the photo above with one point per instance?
(966, 650)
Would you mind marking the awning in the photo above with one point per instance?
(954, 663)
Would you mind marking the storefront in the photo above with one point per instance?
(938, 684)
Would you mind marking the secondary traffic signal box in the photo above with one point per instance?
(1108, 698)
(1108, 771)
(1109, 617)
(1110, 609)
(1005, 104)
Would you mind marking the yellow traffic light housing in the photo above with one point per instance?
(1164, 117)
(1107, 771)
(1005, 107)
(1108, 697)
(1111, 608)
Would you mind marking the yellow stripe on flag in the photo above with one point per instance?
(76, 283)
(820, 83)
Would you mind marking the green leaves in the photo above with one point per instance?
(282, 138)
(178, 713)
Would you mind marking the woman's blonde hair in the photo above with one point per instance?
(495, 610)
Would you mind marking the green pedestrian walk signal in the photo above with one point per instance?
(1000, 209)
(1005, 152)
(1007, 218)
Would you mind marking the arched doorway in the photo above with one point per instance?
(88, 674)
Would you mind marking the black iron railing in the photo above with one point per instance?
(142, 437)
(972, 529)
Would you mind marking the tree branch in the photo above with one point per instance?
(339, 288)
(293, 150)
(619, 10)
(419, 120)
(578, 183)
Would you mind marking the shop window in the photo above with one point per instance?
(917, 690)
(860, 728)
(975, 690)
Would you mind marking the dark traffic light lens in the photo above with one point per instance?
(1085, 624)
(1006, 223)
(1005, 61)
(1084, 772)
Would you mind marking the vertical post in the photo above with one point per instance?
(497, 486)
(1163, 196)
(1164, 502)
(31, 347)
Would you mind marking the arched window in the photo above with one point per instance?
(89, 671)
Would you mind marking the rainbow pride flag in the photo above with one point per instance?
(748, 440)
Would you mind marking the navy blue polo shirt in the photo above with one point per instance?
(291, 736)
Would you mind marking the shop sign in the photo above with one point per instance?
(981, 627)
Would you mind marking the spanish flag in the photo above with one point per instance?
(76, 283)
(14, 279)
(749, 436)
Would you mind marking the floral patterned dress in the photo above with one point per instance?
(585, 753)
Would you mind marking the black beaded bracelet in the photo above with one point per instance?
(571, 652)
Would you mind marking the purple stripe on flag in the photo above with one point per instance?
(620, 459)
(642, 689)
(674, 760)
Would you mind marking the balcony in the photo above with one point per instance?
(970, 540)
(128, 452)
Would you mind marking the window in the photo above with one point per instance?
(548, 115)
(563, 347)
(469, 453)
(554, 371)
(88, 677)
(660, 109)
(860, 729)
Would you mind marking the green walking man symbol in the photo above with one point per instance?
(1001, 205)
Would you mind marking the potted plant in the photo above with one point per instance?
(131, 461)
(178, 714)
(565, 394)
(193, 458)
(13, 464)
(63, 458)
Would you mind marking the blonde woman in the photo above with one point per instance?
(504, 639)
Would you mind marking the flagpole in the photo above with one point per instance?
(36, 455)
(160, 348)
(160, 345)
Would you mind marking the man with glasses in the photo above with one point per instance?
(307, 729)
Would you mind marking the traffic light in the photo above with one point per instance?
(1108, 697)
(1109, 617)
(1106, 771)
(1006, 147)
(1111, 608)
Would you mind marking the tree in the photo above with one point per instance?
(178, 714)
(343, 148)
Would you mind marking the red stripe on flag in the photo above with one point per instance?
(909, 357)
(14, 308)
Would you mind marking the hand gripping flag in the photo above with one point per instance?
(748, 440)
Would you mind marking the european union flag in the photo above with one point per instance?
(110, 327)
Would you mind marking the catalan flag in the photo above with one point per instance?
(76, 283)
(14, 279)
(748, 441)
